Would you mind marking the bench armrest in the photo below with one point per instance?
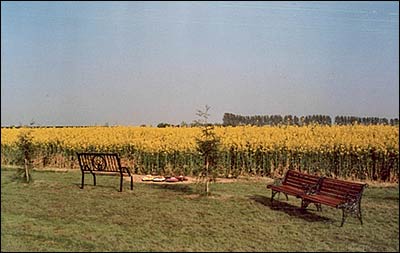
(350, 202)
(351, 199)
(278, 181)
(310, 188)
(128, 170)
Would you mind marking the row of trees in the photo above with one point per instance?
(350, 120)
(230, 119)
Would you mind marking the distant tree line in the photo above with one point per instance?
(230, 119)
(55, 126)
(350, 120)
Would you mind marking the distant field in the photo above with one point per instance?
(355, 152)
(53, 214)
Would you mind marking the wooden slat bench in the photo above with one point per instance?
(294, 183)
(338, 194)
(103, 164)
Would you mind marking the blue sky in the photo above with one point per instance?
(132, 63)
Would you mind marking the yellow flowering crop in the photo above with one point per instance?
(356, 140)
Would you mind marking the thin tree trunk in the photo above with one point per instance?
(207, 179)
(27, 170)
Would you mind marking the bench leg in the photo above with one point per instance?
(273, 193)
(344, 215)
(286, 196)
(131, 183)
(304, 204)
(83, 180)
(120, 183)
(353, 209)
(94, 179)
(359, 214)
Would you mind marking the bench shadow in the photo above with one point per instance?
(391, 198)
(395, 198)
(97, 186)
(291, 210)
(180, 188)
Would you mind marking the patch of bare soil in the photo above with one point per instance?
(191, 180)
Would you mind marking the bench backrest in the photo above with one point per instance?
(300, 180)
(340, 189)
(105, 162)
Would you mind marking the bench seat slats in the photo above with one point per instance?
(334, 192)
(287, 189)
(103, 164)
(324, 199)
(339, 188)
(295, 183)
(108, 173)
(302, 180)
(332, 184)
(94, 161)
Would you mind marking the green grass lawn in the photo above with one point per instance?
(54, 214)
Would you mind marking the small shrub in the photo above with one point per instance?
(24, 157)
(208, 147)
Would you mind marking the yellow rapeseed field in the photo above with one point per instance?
(245, 146)
(308, 138)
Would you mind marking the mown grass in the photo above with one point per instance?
(54, 214)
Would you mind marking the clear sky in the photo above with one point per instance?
(132, 63)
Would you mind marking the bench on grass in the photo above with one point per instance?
(318, 190)
(294, 183)
(339, 194)
(103, 164)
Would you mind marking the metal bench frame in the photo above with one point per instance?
(319, 191)
(103, 164)
(339, 194)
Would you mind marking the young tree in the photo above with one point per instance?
(25, 153)
(208, 147)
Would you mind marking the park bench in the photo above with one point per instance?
(103, 164)
(294, 183)
(336, 193)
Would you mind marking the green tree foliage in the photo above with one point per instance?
(230, 119)
(25, 154)
(351, 120)
(163, 125)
